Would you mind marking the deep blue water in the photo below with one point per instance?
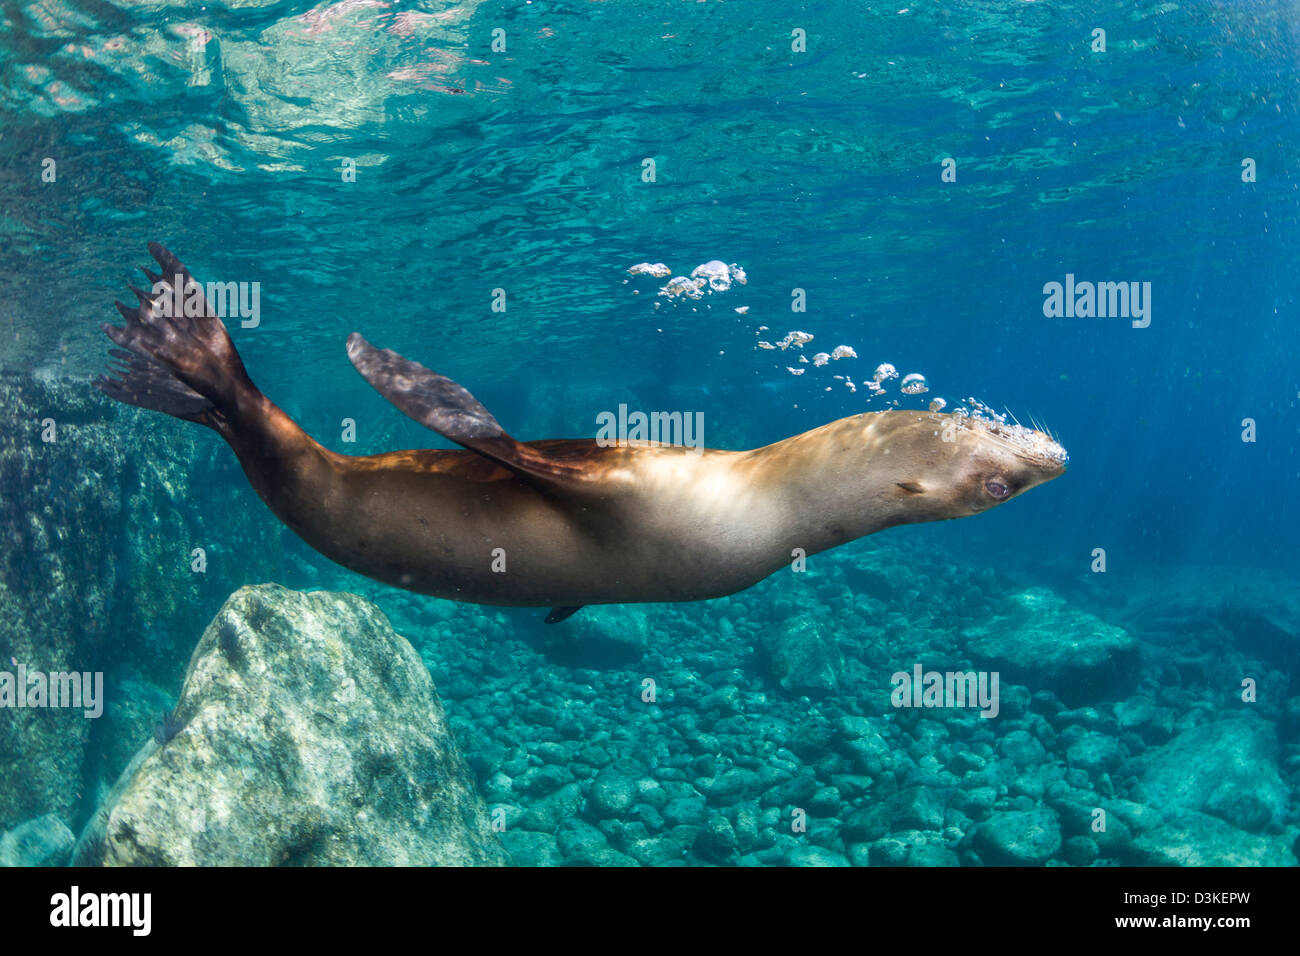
(818, 170)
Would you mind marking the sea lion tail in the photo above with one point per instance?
(175, 354)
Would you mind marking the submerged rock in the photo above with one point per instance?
(1022, 749)
(815, 856)
(44, 841)
(134, 713)
(1019, 837)
(1095, 753)
(1252, 609)
(41, 748)
(612, 794)
(60, 515)
(307, 733)
(1189, 838)
(528, 848)
(800, 656)
(102, 505)
(1046, 644)
(918, 808)
(599, 637)
(1227, 768)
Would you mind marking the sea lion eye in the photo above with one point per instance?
(996, 488)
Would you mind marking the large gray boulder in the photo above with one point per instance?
(1227, 768)
(307, 733)
(1043, 642)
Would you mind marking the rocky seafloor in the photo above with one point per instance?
(263, 725)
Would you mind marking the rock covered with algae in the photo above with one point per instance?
(307, 733)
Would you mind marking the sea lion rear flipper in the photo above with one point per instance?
(438, 403)
(174, 354)
(559, 614)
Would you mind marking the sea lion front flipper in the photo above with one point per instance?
(559, 614)
(438, 403)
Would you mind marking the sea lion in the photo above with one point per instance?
(571, 522)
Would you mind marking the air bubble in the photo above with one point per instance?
(914, 384)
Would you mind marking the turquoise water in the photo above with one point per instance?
(381, 168)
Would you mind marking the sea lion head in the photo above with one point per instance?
(966, 464)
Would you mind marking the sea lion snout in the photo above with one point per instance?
(954, 465)
(1008, 460)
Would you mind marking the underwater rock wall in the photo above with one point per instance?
(41, 750)
(102, 508)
